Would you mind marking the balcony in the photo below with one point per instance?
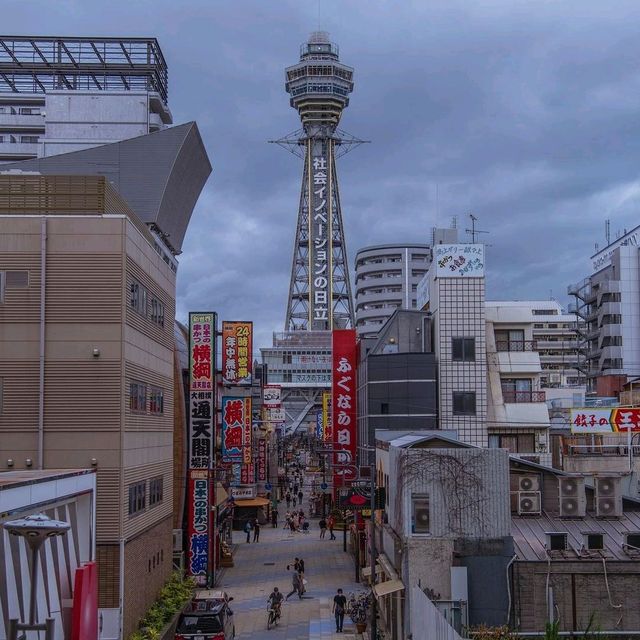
(511, 396)
(516, 345)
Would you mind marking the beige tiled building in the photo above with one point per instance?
(87, 302)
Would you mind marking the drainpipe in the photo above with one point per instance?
(43, 292)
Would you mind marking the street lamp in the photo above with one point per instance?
(35, 529)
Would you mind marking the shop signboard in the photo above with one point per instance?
(201, 436)
(247, 456)
(262, 460)
(422, 292)
(247, 473)
(272, 395)
(343, 400)
(234, 416)
(311, 378)
(459, 260)
(237, 345)
(319, 426)
(354, 498)
(327, 433)
(618, 420)
(236, 472)
(277, 415)
(243, 493)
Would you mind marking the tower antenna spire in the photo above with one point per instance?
(473, 232)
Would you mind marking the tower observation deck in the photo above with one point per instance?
(320, 290)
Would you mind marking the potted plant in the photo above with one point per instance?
(359, 611)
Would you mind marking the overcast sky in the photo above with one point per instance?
(523, 113)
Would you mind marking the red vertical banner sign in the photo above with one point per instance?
(343, 402)
(247, 454)
(201, 438)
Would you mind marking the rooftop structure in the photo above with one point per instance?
(60, 94)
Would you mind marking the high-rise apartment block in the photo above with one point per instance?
(387, 278)
(608, 302)
(64, 94)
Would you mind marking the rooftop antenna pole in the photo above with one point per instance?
(473, 231)
(607, 231)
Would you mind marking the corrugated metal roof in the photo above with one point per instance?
(530, 539)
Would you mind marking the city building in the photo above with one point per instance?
(387, 278)
(517, 412)
(453, 292)
(397, 379)
(300, 362)
(59, 95)
(446, 529)
(68, 496)
(608, 301)
(88, 260)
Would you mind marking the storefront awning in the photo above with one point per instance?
(252, 502)
(385, 588)
(221, 494)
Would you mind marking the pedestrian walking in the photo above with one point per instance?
(294, 500)
(288, 499)
(295, 488)
(300, 495)
(301, 567)
(339, 606)
(331, 523)
(247, 530)
(274, 518)
(256, 530)
(323, 527)
(296, 583)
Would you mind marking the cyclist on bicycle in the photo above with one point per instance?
(275, 600)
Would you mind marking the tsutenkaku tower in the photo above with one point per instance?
(320, 291)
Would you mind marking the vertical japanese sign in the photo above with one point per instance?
(237, 345)
(327, 433)
(247, 474)
(320, 234)
(319, 425)
(343, 400)
(202, 331)
(262, 460)
(272, 396)
(247, 456)
(233, 419)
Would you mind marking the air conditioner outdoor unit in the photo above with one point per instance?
(555, 377)
(529, 483)
(529, 503)
(177, 540)
(608, 497)
(573, 501)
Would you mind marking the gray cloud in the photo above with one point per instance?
(523, 113)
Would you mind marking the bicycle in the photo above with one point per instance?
(273, 615)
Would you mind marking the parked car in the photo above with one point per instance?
(214, 623)
(207, 599)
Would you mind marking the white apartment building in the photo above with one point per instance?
(608, 301)
(517, 413)
(66, 94)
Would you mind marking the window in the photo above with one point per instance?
(545, 312)
(137, 397)
(594, 541)
(29, 111)
(17, 279)
(157, 312)
(155, 491)
(156, 400)
(138, 298)
(29, 139)
(510, 340)
(514, 443)
(384, 408)
(420, 517)
(464, 403)
(463, 349)
(137, 497)
(633, 540)
(557, 541)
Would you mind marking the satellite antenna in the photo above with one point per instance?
(473, 231)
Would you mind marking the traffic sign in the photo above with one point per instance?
(267, 486)
(324, 486)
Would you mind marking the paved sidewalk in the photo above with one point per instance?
(258, 567)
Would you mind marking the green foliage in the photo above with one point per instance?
(483, 632)
(172, 597)
(552, 631)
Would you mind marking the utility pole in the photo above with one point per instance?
(372, 549)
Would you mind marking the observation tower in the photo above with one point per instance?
(320, 290)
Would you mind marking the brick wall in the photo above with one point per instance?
(108, 557)
(579, 590)
(147, 561)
